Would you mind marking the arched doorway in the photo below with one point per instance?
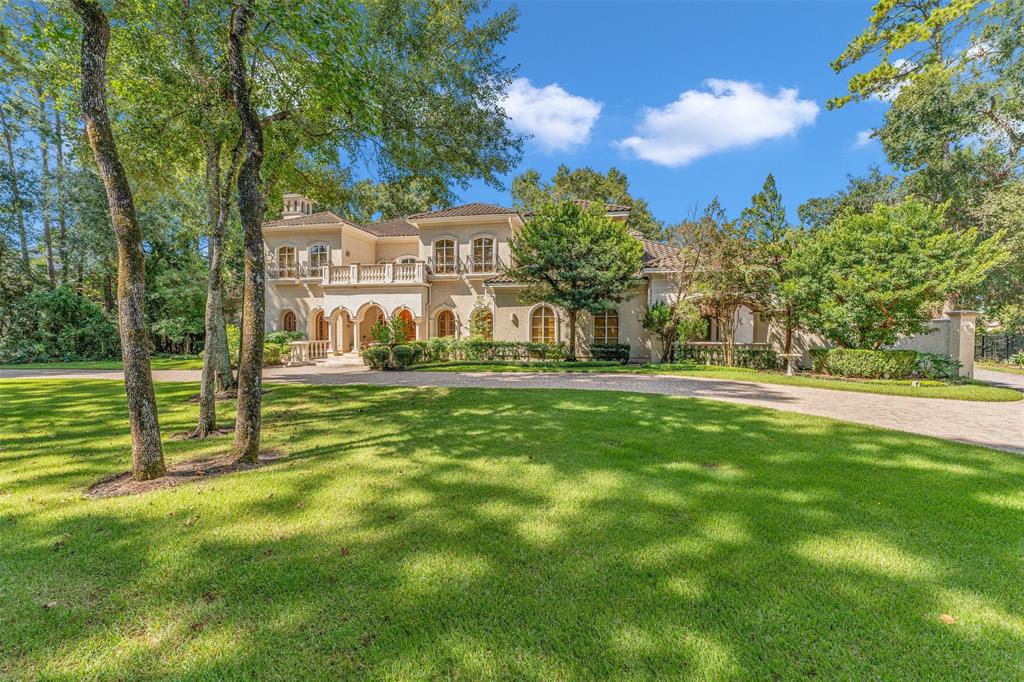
(320, 330)
(410, 329)
(371, 315)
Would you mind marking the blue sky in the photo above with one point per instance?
(691, 100)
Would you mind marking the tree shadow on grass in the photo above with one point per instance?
(522, 534)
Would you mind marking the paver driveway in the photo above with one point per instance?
(996, 425)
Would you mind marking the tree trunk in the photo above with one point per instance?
(572, 335)
(216, 360)
(147, 454)
(251, 208)
(44, 186)
(19, 210)
(62, 225)
(788, 341)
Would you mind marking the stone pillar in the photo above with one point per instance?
(333, 345)
(355, 336)
(962, 324)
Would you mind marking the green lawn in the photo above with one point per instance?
(968, 390)
(1000, 367)
(157, 362)
(468, 534)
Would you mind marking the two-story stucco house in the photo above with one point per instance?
(442, 271)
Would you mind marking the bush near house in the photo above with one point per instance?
(619, 352)
(864, 363)
(443, 349)
(276, 345)
(750, 358)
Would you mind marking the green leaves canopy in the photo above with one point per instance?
(575, 257)
(868, 279)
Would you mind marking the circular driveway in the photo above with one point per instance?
(995, 425)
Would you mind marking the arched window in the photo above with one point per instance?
(606, 327)
(542, 325)
(483, 254)
(406, 260)
(446, 323)
(444, 256)
(482, 323)
(319, 258)
(286, 261)
(288, 321)
(410, 325)
(320, 326)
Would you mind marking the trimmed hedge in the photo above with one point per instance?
(446, 349)
(750, 358)
(619, 352)
(863, 363)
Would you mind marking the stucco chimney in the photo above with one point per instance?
(296, 205)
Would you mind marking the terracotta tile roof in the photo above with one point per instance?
(500, 279)
(473, 209)
(395, 227)
(656, 254)
(321, 218)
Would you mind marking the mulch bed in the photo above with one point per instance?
(178, 473)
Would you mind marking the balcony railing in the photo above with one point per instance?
(382, 273)
(294, 271)
(465, 266)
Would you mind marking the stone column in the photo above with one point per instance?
(962, 324)
(355, 336)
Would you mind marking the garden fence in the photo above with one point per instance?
(998, 346)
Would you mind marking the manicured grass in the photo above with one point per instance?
(1000, 367)
(470, 534)
(157, 362)
(968, 390)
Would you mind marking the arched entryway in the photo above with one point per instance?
(320, 330)
(406, 315)
(369, 316)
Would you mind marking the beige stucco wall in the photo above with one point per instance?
(303, 299)
(952, 335)
(463, 234)
(358, 249)
(389, 251)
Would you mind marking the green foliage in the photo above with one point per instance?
(867, 280)
(936, 366)
(377, 357)
(864, 364)
(529, 193)
(750, 358)
(577, 258)
(403, 355)
(393, 331)
(619, 352)
(669, 323)
(1017, 359)
(276, 345)
(860, 195)
(57, 325)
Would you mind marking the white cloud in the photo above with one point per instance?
(556, 119)
(732, 114)
(863, 139)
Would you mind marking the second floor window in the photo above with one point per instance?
(286, 262)
(319, 258)
(444, 255)
(483, 254)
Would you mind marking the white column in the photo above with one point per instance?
(355, 336)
